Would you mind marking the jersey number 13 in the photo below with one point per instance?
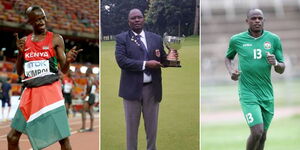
(257, 53)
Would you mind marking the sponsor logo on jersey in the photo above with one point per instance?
(267, 45)
(36, 54)
(34, 68)
(247, 45)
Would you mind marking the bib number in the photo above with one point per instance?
(67, 87)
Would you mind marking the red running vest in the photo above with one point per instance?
(39, 56)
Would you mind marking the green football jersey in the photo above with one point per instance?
(255, 77)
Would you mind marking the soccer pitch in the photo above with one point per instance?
(283, 134)
(228, 129)
(178, 125)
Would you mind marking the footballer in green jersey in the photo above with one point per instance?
(258, 50)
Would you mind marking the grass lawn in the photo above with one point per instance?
(283, 134)
(178, 126)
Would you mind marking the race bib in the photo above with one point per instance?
(93, 90)
(86, 98)
(34, 68)
(67, 87)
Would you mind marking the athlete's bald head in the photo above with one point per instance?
(253, 11)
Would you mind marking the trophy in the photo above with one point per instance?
(173, 43)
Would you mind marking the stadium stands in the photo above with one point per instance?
(76, 15)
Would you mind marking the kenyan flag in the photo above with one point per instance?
(42, 115)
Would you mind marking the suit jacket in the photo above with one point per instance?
(130, 59)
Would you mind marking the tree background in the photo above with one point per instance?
(171, 16)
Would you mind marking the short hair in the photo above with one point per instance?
(134, 9)
(32, 8)
(252, 9)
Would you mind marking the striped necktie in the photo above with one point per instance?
(146, 55)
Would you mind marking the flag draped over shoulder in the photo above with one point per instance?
(42, 115)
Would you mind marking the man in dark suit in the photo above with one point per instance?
(140, 56)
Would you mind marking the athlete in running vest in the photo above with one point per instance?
(41, 113)
(258, 51)
(89, 100)
(68, 84)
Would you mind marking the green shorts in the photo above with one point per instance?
(258, 112)
(91, 99)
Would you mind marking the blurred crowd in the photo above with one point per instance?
(75, 15)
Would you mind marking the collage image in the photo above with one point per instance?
(149, 74)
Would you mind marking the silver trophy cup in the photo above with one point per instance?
(173, 43)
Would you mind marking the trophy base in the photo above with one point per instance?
(172, 63)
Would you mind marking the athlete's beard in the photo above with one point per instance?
(256, 31)
(39, 32)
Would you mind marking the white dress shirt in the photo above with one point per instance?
(147, 78)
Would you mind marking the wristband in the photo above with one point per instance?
(276, 63)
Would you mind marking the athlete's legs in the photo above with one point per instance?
(73, 110)
(13, 139)
(65, 144)
(67, 108)
(255, 137)
(90, 111)
(83, 116)
(9, 106)
(262, 141)
(8, 112)
(3, 113)
(3, 106)
(68, 101)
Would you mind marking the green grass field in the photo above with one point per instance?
(283, 134)
(178, 126)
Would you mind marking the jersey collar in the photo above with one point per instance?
(255, 38)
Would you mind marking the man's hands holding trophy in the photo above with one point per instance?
(173, 43)
(172, 55)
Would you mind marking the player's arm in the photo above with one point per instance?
(234, 74)
(278, 66)
(20, 59)
(229, 63)
(277, 59)
(64, 59)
